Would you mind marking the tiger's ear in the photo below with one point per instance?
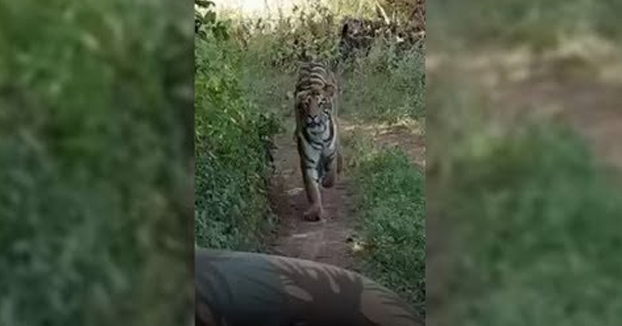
(299, 98)
(344, 29)
(330, 89)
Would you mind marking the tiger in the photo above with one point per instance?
(317, 132)
(356, 37)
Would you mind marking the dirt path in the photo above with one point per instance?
(331, 240)
(325, 241)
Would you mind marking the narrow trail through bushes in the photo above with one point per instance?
(324, 241)
(331, 240)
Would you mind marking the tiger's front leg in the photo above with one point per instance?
(331, 168)
(332, 162)
(310, 177)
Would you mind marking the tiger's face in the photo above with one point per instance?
(357, 32)
(353, 28)
(316, 109)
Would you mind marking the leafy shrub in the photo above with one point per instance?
(231, 151)
(94, 155)
(205, 22)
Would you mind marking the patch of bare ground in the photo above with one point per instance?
(325, 241)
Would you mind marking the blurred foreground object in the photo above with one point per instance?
(240, 289)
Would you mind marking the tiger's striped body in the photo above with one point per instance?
(317, 132)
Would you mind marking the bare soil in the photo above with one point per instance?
(325, 241)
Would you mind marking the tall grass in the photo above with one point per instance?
(385, 87)
(392, 215)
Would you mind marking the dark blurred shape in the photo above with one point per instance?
(96, 145)
(245, 289)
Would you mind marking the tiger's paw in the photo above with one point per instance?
(314, 213)
(329, 180)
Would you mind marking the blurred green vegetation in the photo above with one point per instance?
(392, 215)
(538, 23)
(95, 151)
(528, 211)
(532, 217)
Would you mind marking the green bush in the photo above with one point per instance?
(94, 157)
(392, 213)
(231, 151)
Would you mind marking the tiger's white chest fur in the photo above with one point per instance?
(322, 141)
